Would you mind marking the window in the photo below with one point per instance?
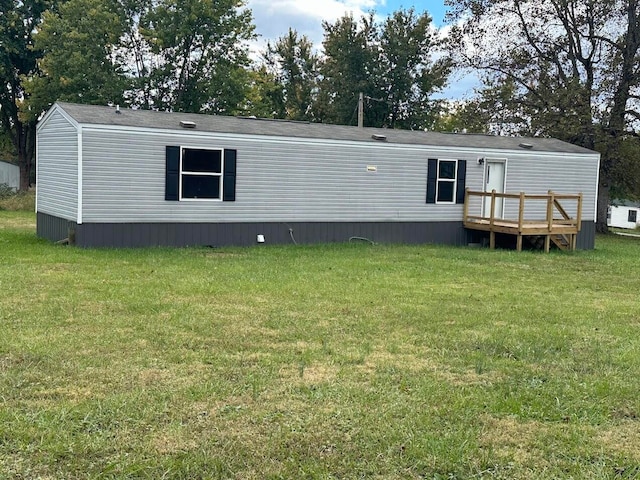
(200, 174)
(446, 181)
(633, 216)
(446, 186)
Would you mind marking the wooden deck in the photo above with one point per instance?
(559, 226)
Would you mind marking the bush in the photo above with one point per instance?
(6, 191)
(14, 201)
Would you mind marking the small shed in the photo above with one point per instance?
(9, 175)
(121, 178)
(624, 214)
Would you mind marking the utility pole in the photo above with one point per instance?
(361, 110)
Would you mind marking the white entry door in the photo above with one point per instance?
(494, 172)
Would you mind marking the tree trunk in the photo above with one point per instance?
(603, 206)
(26, 147)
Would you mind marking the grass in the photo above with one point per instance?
(20, 201)
(340, 361)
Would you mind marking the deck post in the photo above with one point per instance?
(492, 240)
(547, 243)
(579, 213)
(465, 211)
(550, 200)
(493, 207)
(521, 212)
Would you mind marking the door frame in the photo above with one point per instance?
(485, 175)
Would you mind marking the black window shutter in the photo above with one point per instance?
(172, 177)
(229, 176)
(432, 177)
(461, 180)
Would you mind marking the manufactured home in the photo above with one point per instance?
(624, 215)
(9, 175)
(123, 178)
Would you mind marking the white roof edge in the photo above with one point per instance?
(56, 108)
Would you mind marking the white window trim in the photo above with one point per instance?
(202, 174)
(453, 180)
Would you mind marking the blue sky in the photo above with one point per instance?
(273, 18)
(436, 8)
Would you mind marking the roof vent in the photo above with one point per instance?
(118, 109)
(528, 146)
(187, 124)
(380, 138)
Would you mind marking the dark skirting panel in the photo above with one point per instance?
(125, 235)
(587, 236)
(54, 228)
(244, 234)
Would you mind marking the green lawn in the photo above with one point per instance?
(342, 361)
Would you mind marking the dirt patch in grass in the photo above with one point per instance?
(312, 374)
(512, 440)
(468, 377)
(8, 222)
(172, 442)
(623, 439)
(72, 393)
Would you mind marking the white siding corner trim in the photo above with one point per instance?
(595, 209)
(79, 219)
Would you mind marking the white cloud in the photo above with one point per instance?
(273, 18)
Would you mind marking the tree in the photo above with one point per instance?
(573, 63)
(490, 111)
(18, 59)
(294, 67)
(265, 95)
(78, 64)
(199, 54)
(7, 149)
(408, 76)
(390, 63)
(348, 68)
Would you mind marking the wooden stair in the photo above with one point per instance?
(563, 242)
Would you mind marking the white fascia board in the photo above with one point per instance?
(445, 150)
(50, 112)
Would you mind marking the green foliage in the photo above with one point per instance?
(200, 53)
(79, 65)
(389, 62)
(326, 361)
(294, 68)
(627, 170)
(11, 200)
(265, 96)
(347, 69)
(407, 74)
(7, 148)
(185, 56)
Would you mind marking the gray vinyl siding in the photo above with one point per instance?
(57, 168)
(561, 173)
(10, 175)
(278, 180)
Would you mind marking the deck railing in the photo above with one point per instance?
(537, 214)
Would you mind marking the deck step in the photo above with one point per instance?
(561, 241)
